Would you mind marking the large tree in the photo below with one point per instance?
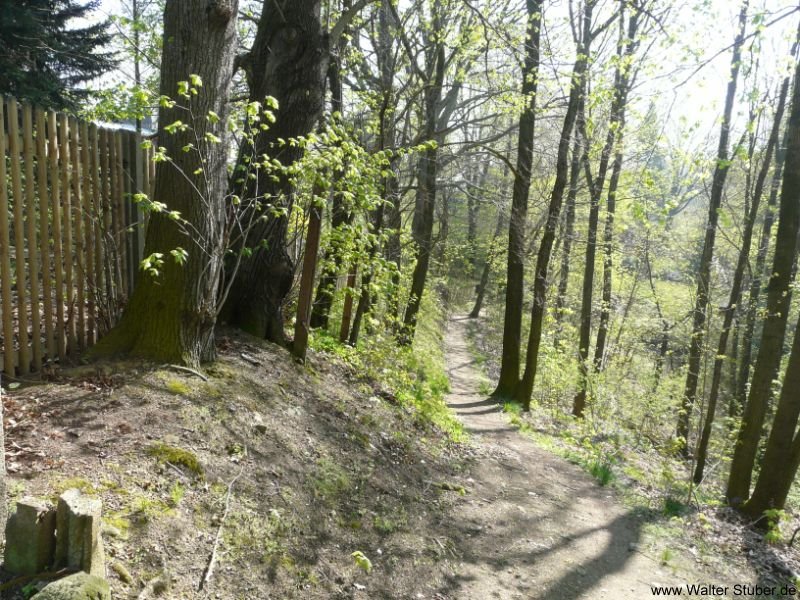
(289, 61)
(171, 316)
(770, 351)
(46, 55)
(512, 323)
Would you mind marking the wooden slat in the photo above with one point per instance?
(152, 167)
(9, 355)
(44, 232)
(126, 205)
(97, 200)
(78, 316)
(33, 230)
(114, 212)
(123, 214)
(140, 187)
(69, 248)
(108, 218)
(88, 232)
(56, 204)
(24, 353)
(147, 187)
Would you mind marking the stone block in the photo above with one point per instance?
(78, 541)
(30, 537)
(80, 586)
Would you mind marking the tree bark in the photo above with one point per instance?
(778, 304)
(171, 318)
(704, 275)
(736, 286)
(3, 499)
(289, 61)
(347, 309)
(512, 320)
(576, 92)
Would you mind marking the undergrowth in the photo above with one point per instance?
(413, 376)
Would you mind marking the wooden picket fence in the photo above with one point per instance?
(71, 236)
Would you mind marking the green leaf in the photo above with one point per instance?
(362, 561)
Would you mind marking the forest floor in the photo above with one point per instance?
(321, 462)
(548, 529)
(581, 537)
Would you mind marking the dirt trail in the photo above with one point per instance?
(534, 525)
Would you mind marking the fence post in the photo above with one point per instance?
(44, 232)
(5, 258)
(33, 248)
(76, 218)
(23, 354)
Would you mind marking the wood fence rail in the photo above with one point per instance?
(71, 235)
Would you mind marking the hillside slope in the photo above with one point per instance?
(321, 463)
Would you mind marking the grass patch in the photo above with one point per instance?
(178, 387)
(165, 453)
(330, 482)
(601, 471)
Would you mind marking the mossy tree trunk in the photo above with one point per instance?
(782, 454)
(171, 317)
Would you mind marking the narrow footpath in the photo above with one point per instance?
(534, 525)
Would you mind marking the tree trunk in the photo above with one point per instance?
(512, 321)
(487, 266)
(3, 499)
(347, 309)
(427, 169)
(782, 454)
(778, 304)
(576, 92)
(569, 231)
(365, 299)
(625, 48)
(302, 323)
(289, 61)
(704, 276)
(340, 216)
(171, 318)
(608, 265)
(759, 272)
(736, 286)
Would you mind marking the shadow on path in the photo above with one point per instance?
(533, 525)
